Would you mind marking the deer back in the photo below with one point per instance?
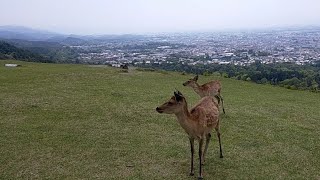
(206, 112)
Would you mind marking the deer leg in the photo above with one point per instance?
(192, 153)
(208, 138)
(218, 134)
(222, 104)
(220, 99)
(200, 158)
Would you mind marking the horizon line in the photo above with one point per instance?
(217, 30)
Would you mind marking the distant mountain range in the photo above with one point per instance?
(20, 32)
(29, 34)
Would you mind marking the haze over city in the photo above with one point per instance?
(145, 16)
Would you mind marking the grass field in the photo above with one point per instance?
(93, 122)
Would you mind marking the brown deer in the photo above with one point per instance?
(197, 123)
(212, 88)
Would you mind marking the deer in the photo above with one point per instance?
(212, 88)
(197, 123)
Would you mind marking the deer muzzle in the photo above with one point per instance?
(159, 110)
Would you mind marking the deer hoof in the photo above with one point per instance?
(221, 156)
(200, 178)
(191, 174)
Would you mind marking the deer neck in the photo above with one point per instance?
(196, 87)
(184, 119)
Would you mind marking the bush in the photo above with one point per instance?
(264, 81)
(146, 69)
(216, 74)
(206, 73)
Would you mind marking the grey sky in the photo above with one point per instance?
(140, 16)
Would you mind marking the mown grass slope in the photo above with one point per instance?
(92, 122)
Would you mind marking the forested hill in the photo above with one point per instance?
(37, 51)
(8, 51)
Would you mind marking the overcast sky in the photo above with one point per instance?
(144, 16)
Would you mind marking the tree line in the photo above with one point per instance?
(288, 75)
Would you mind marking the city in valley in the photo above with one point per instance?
(298, 46)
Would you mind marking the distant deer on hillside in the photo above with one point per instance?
(197, 123)
(212, 88)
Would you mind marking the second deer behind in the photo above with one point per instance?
(212, 88)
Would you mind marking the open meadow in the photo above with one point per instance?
(60, 121)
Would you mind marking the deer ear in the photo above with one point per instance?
(178, 96)
(196, 78)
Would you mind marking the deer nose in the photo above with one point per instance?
(184, 84)
(159, 110)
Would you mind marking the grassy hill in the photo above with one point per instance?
(95, 122)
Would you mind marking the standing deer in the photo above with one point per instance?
(197, 123)
(212, 88)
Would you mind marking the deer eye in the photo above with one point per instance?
(170, 103)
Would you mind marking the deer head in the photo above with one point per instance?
(174, 105)
(191, 82)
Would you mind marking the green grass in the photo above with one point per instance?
(85, 122)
